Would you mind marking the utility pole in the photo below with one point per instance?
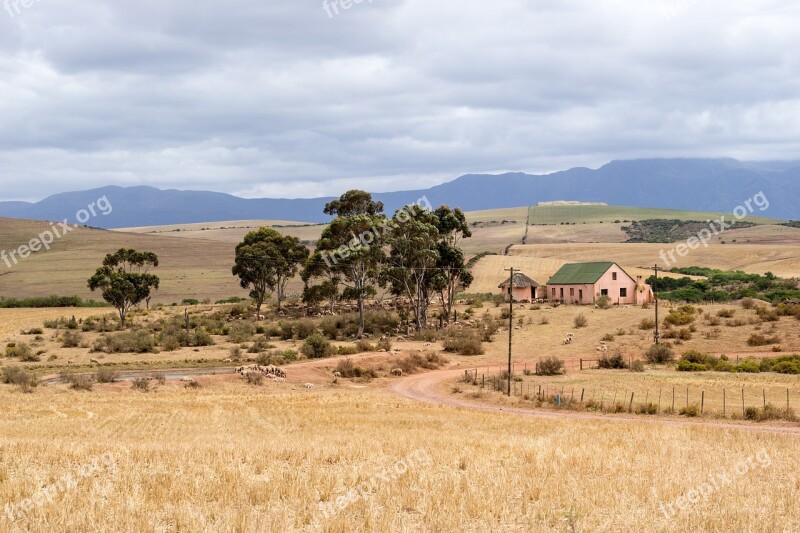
(657, 334)
(510, 322)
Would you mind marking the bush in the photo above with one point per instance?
(748, 366)
(241, 332)
(690, 411)
(614, 362)
(202, 337)
(316, 347)
(430, 361)
(647, 323)
(726, 313)
(550, 366)
(384, 344)
(683, 316)
(608, 337)
(756, 339)
(604, 302)
(637, 366)
(748, 303)
(14, 375)
(78, 381)
(105, 375)
(137, 341)
(463, 344)
(141, 384)
(659, 354)
(71, 339)
(235, 353)
(580, 321)
(20, 350)
(348, 370)
(365, 346)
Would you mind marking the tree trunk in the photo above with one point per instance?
(360, 315)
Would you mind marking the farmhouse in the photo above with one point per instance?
(584, 283)
(523, 288)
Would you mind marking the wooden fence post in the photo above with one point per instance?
(787, 401)
(658, 410)
(673, 399)
(630, 405)
(702, 401)
(581, 364)
(787, 396)
(742, 399)
(724, 403)
(765, 397)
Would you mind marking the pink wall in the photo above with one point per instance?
(521, 294)
(572, 293)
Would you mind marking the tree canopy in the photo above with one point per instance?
(124, 279)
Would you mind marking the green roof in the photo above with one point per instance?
(580, 273)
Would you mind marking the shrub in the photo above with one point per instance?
(748, 303)
(348, 370)
(170, 343)
(79, 381)
(365, 346)
(141, 384)
(580, 321)
(430, 361)
(235, 353)
(202, 337)
(137, 341)
(608, 337)
(615, 362)
(604, 302)
(637, 366)
(13, 375)
(683, 316)
(726, 313)
(647, 323)
(659, 354)
(33, 331)
(241, 332)
(748, 366)
(384, 344)
(463, 344)
(756, 339)
(192, 384)
(316, 347)
(105, 375)
(71, 339)
(751, 413)
(690, 411)
(20, 350)
(767, 315)
(550, 366)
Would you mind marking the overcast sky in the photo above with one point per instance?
(288, 99)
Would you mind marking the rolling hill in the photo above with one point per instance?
(711, 185)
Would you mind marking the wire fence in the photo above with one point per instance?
(749, 401)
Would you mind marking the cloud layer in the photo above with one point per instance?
(281, 99)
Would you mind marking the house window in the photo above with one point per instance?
(614, 276)
(571, 292)
(562, 293)
(623, 293)
(580, 294)
(603, 292)
(554, 293)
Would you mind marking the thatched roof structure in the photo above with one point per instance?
(520, 281)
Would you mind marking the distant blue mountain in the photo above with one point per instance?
(717, 185)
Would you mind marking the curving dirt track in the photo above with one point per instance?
(426, 388)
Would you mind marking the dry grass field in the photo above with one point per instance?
(188, 268)
(228, 457)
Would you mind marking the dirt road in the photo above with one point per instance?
(426, 388)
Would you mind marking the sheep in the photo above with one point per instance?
(397, 372)
(280, 380)
(337, 374)
(308, 385)
(187, 379)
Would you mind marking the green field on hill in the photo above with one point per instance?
(593, 214)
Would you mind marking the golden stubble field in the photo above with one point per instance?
(228, 457)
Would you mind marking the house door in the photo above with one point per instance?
(533, 293)
(580, 294)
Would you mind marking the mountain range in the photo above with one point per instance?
(715, 185)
